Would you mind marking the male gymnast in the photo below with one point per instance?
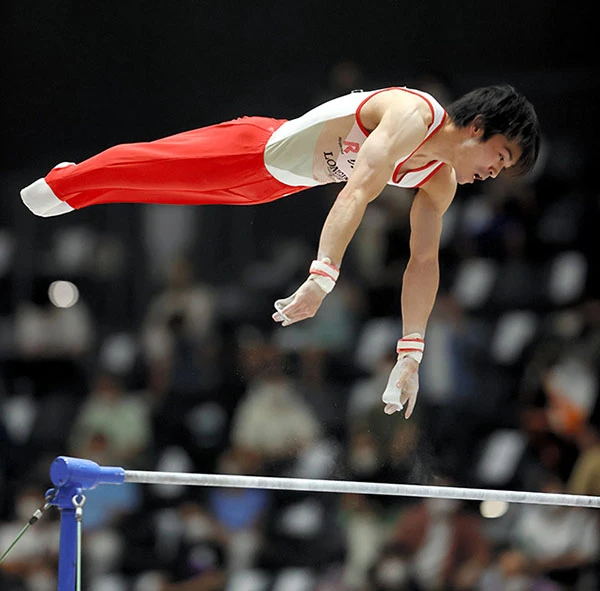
(367, 140)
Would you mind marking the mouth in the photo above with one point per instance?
(477, 177)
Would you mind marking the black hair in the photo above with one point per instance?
(503, 111)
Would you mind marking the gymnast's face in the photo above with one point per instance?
(476, 159)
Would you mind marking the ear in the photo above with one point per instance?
(477, 127)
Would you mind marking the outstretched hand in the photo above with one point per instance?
(402, 387)
(302, 304)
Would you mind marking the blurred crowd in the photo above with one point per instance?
(205, 383)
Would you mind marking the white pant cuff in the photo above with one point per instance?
(41, 200)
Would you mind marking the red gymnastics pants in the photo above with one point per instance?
(219, 164)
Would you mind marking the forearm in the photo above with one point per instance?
(419, 290)
(341, 225)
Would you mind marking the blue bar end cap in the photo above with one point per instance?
(83, 474)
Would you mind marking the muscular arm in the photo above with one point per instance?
(396, 134)
(421, 277)
(419, 288)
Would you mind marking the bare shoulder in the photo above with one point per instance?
(441, 188)
(395, 103)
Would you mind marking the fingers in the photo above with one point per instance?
(301, 305)
(409, 397)
(280, 315)
(282, 311)
(405, 387)
(411, 405)
(390, 409)
(403, 375)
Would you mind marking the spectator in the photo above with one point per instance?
(238, 513)
(118, 417)
(365, 530)
(323, 392)
(436, 544)
(52, 342)
(184, 383)
(550, 543)
(201, 557)
(191, 306)
(272, 419)
(44, 330)
(365, 458)
(585, 477)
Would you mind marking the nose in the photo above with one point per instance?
(493, 172)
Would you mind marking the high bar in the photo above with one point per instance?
(353, 487)
(75, 475)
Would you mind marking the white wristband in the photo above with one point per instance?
(324, 274)
(412, 346)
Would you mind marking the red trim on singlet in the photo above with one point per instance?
(419, 169)
(438, 167)
(359, 122)
(426, 100)
(414, 92)
(402, 162)
(357, 114)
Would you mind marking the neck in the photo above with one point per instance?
(443, 144)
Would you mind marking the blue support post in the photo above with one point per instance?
(72, 476)
(67, 556)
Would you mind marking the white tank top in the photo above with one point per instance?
(290, 151)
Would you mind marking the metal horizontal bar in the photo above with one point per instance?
(352, 487)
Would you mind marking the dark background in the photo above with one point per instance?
(79, 76)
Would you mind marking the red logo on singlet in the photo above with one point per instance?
(351, 147)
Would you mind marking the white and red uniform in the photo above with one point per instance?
(243, 162)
